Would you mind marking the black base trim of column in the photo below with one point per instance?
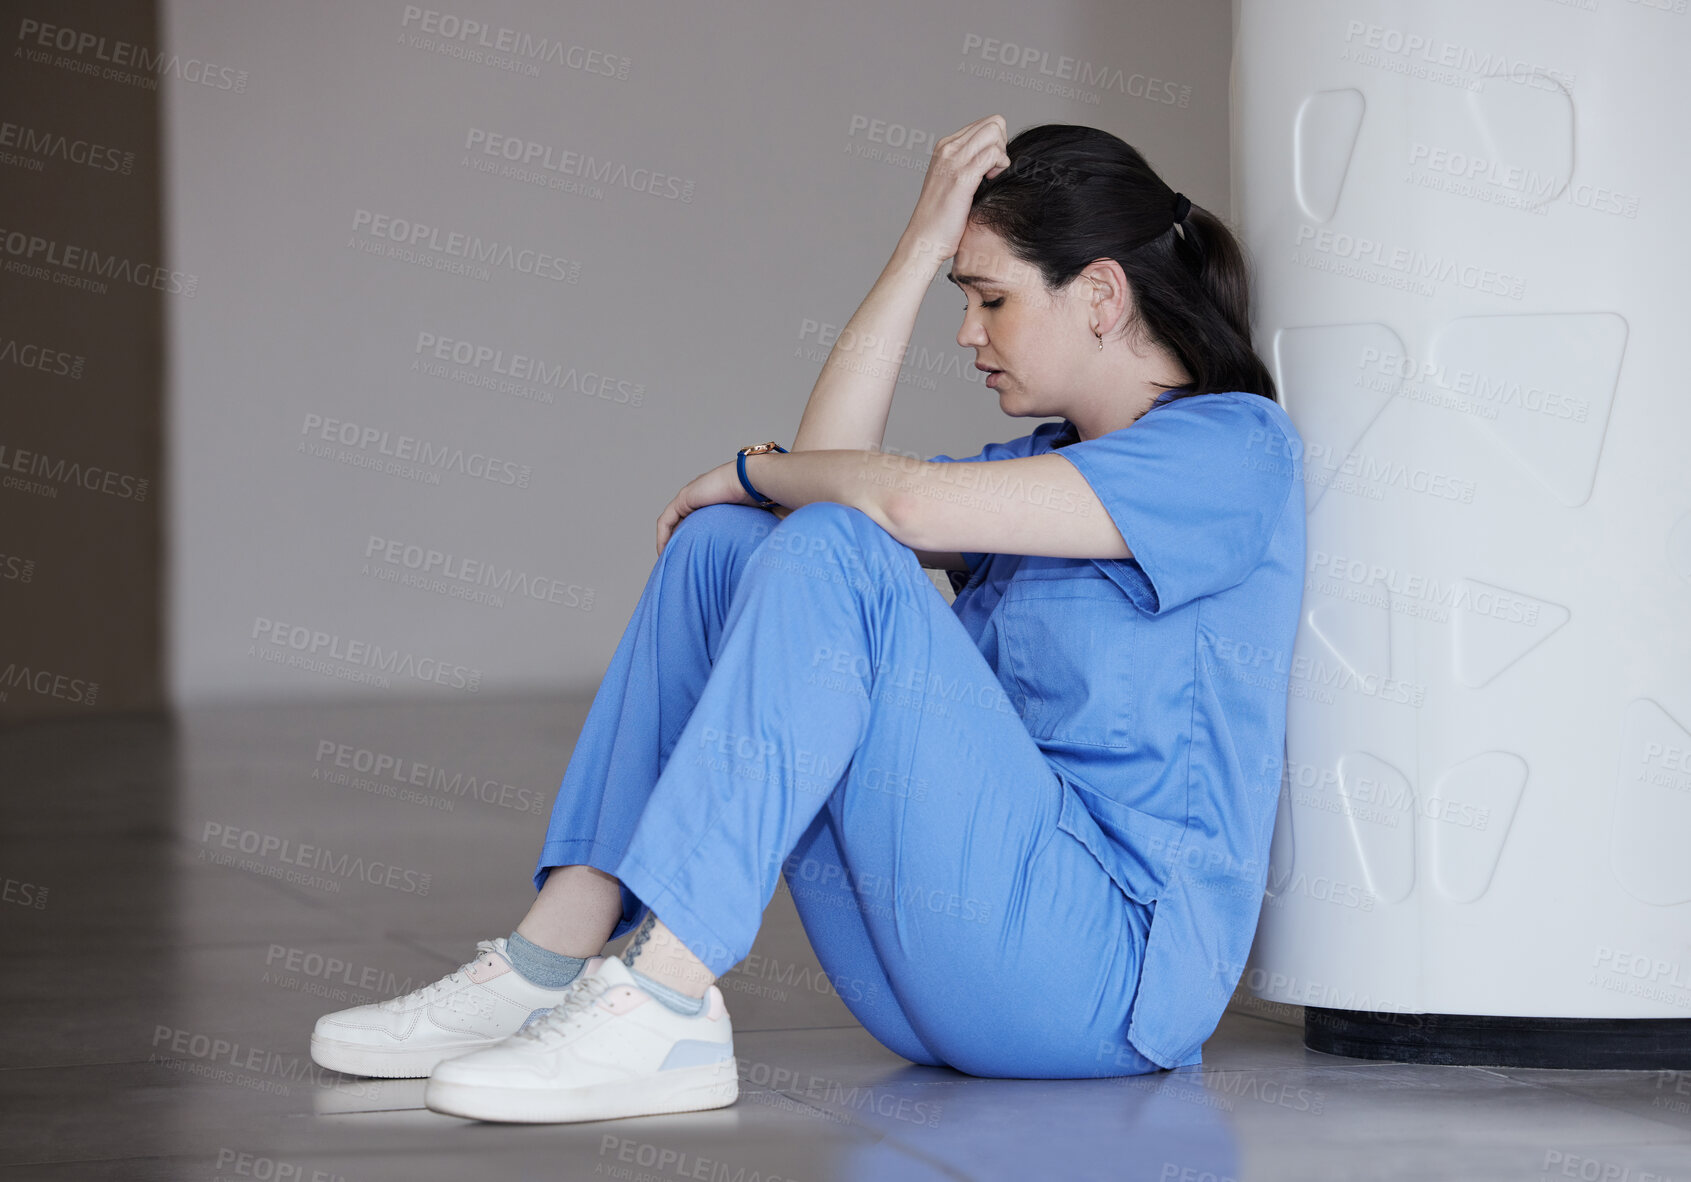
(1480, 1040)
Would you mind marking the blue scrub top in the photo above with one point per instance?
(1156, 685)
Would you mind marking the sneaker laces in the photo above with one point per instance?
(455, 980)
(580, 996)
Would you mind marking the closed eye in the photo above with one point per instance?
(987, 303)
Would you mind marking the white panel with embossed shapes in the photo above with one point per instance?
(1524, 139)
(1282, 847)
(1309, 838)
(1467, 817)
(1331, 390)
(1378, 804)
(1346, 595)
(1542, 385)
(1471, 304)
(1325, 136)
(1493, 627)
(1679, 546)
(1357, 635)
(1650, 850)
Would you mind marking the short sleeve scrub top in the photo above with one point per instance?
(1157, 685)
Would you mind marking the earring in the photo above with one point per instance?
(1100, 337)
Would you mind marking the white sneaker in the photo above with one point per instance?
(474, 1006)
(608, 1049)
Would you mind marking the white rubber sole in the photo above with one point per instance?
(352, 1059)
(684, 1089)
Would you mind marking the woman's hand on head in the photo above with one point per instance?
(955, 170)
(720, 486)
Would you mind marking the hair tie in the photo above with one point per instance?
(1181, 207)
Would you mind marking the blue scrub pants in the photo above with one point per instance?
(795, 696)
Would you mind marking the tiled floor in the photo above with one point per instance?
(157, 1003)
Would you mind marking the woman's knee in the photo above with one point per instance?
(820, 516)
(743, 525)
(822, 530)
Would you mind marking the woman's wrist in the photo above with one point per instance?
(750, 464)
(917, 256)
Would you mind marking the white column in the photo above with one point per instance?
(1468, 222)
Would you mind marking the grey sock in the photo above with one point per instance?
(542, 966)
(674, 999)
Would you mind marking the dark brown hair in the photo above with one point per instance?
(1072, 195)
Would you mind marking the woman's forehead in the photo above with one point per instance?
(989, 265)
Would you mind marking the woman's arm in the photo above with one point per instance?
(852, 398)
(849, 405)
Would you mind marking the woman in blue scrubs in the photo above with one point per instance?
(1027, 831)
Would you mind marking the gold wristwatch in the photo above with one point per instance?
(740, 465)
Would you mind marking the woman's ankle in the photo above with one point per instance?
(542, 966)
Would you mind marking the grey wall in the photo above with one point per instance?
(746, 183)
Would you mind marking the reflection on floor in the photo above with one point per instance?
(160, 988)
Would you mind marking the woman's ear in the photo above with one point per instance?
(1110, 302)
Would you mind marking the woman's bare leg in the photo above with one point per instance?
(574, 912)
(659, 954)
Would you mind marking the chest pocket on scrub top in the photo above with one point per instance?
(1069, 644)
